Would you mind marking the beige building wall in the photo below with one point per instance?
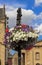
(15, 59)
(23, 61)
(2, 47)
(31, 56)
(2, 32)
(36, 58)
(2, 54)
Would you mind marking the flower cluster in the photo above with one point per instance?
(7, 35)
(23, 32)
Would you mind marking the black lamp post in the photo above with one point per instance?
(18, 17)
(18, 46)
(21, 44)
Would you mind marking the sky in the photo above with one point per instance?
(31, 13)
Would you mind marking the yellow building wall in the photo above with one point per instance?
(34, 56)
(2, 54)
(30, 55)
(2, 47)
(2, 32)
(15, 59)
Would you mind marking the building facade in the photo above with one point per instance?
(30, 57)
(2, 33)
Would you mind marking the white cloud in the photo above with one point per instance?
(27, 15)
(38, 29)
(38, 2)
(40, 16)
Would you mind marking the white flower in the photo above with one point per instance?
(35, 35)
(25, 39)
(30, 34)
(13, 38)
(16, 35)
(24, 35)
(16, 38)
(21, 32)
(17, 32)
(21, 35)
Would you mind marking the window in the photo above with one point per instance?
(23, 59)
(37, 56)
(37, 64)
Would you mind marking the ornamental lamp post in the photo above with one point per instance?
(21, 37)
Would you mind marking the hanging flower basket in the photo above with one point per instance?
(23, 32)
(22, 35)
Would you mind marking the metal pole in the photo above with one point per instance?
(19, 14)
(19, 56)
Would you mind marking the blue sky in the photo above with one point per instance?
(31, 13)
(27, 4)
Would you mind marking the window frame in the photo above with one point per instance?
(37, 55)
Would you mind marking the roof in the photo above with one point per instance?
(38, 44)
(39, 41)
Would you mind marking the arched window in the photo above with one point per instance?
(23, 59)
(37, 56)
(37, 64)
